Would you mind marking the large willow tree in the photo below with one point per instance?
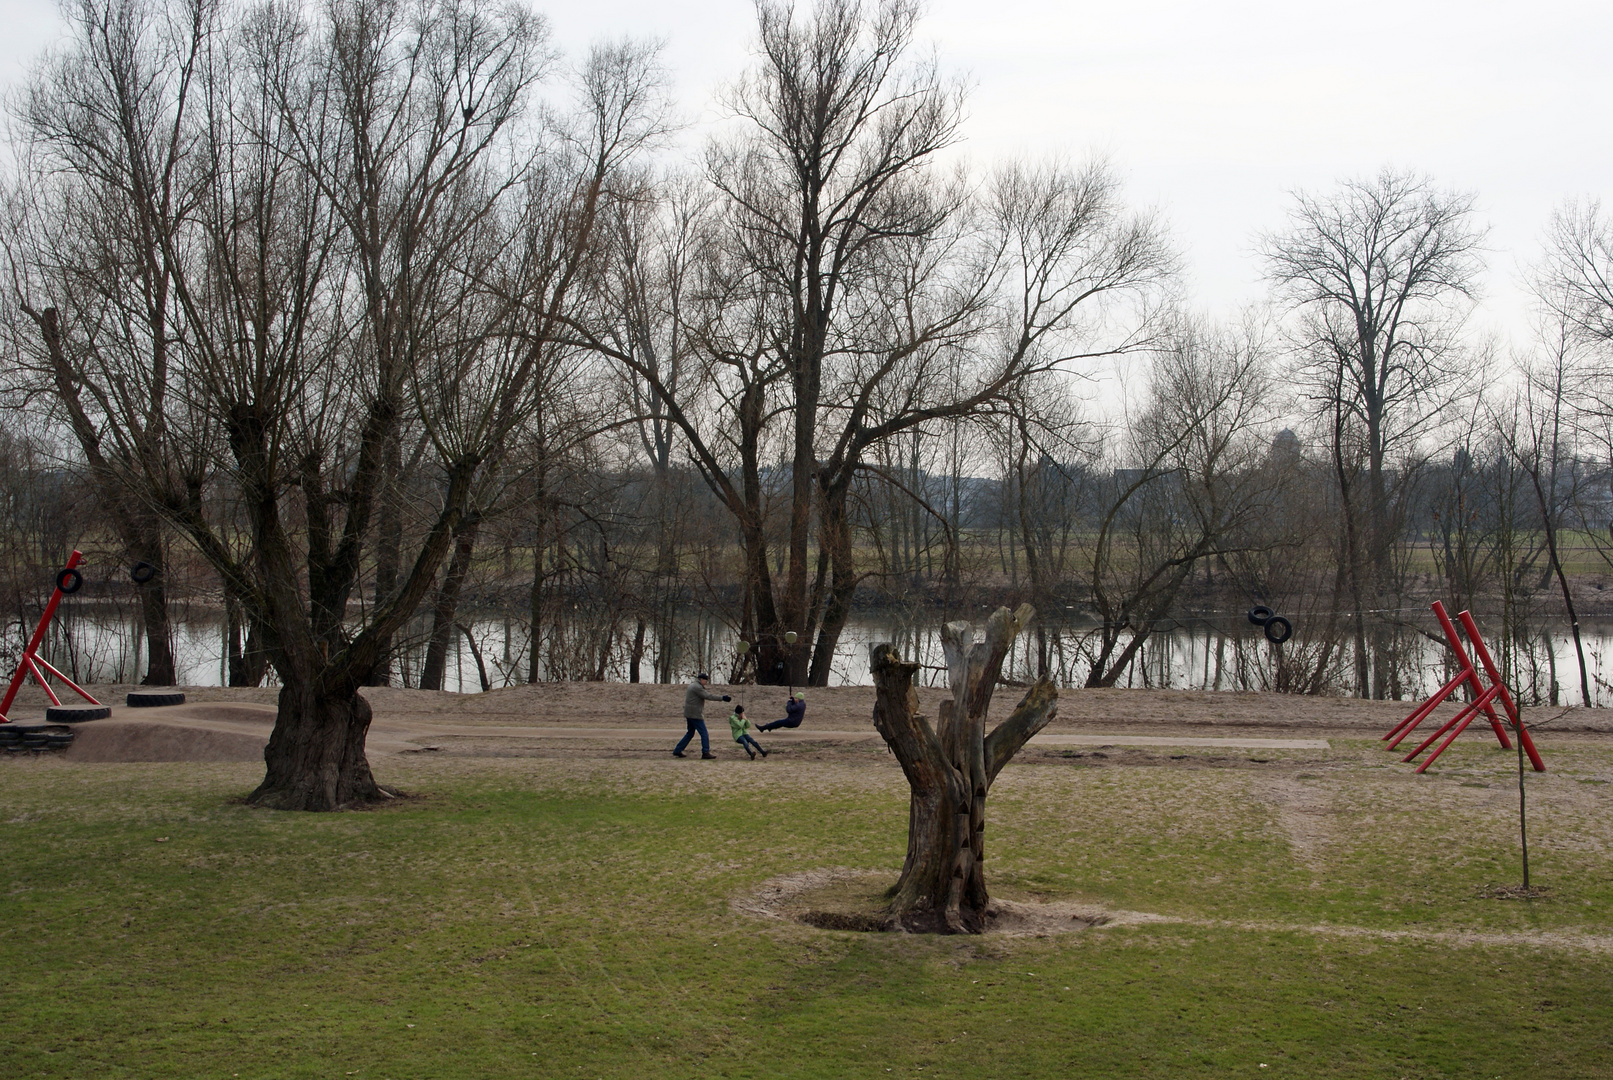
(376, 228)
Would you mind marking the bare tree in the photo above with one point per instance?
(1574, 280)
(1543, 447)
(657, 236)
(855, 293)
(365, 264)
(1379, 277)
(1196, 491)
(556, 252)
(106, 189)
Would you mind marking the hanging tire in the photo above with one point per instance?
(69, 581)
(1278, 629)
(76, 714)
(142, 572)
(1260, 615)
(151, 699)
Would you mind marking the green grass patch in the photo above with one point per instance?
(553, 918)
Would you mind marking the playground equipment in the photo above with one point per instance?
(1483, 702)
(1277, 628)
(68, 581)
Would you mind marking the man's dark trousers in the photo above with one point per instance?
(694, 726)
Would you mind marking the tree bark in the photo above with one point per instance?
(315, 758)
(388, 550)
(950, 770)
(446, 607)
(154, 607)
(247, 663)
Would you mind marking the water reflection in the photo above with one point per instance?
(1540, 665)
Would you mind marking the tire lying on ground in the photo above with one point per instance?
(75, 714)
(1278, 629)
(20, 738)
(151, 699)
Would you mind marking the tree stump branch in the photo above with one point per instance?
(950, 768)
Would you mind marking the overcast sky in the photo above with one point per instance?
(1214, 112)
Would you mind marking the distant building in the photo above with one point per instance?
(1285, 447)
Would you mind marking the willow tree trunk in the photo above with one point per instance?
(446, 608)
(950, 769)
(315, 758)
(160, 669)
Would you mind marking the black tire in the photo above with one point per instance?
(142, 572)
(69, 581)
(1260, 615)
(151, 699)
(1278, 629)
(76, 714)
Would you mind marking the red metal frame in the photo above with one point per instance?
(32, 662)
(1501, 688)
(1426, 709)
(1484, 702)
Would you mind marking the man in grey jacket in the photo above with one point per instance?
(694, 715)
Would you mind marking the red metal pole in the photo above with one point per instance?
(1463, 718)
(1506, 699)
(39, 677)
(26, 666)
(41, 662)
(1487, 696)
(1423, 711)
(1478, 687)
(1404, 728)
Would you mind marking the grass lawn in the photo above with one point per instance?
(572, 918)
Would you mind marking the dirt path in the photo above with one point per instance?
(221, 724)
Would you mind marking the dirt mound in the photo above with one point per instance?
(143, 740)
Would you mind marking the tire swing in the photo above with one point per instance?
(69, 581)
(142, 572)
(1278, 629)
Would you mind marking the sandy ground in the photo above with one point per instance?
(613, 719)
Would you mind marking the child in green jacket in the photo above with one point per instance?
(740, 726)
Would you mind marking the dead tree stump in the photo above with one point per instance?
(950, 769)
